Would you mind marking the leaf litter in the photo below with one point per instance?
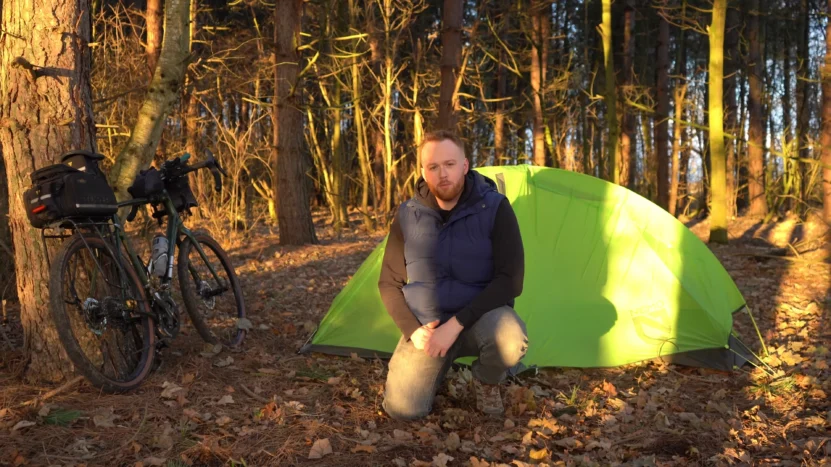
(323, 410)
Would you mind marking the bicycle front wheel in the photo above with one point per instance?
(101, 313)
(211, 291)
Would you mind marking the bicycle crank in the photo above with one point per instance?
(167, 313)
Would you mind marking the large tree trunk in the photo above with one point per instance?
(163, 93)
(536, 84)
(611, 94)
(451, 51)
(7, 285)
(756, 156)
(718, 181)
(154, 33)
(825, 138)
(294, 216)
(627, 137)
(45, 110)
(662, 117)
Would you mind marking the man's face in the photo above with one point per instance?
(444, 167)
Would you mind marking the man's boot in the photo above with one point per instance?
(488, 398)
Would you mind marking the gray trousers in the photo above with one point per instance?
(498, 340)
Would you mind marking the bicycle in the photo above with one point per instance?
(126, 314)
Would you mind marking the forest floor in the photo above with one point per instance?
(267, 405)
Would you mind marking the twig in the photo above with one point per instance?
(788, 258)
(696, 378)
(141, 424)
(253, 395)
(53, 392)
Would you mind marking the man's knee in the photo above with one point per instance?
(510, 337)
(401, 409)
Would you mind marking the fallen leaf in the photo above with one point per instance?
(453, 442)
(44, 411)
(401, 435)
(171, 390)
(509, 423)
(475, 462)
(226, 399)
(23, 424)
(244, 323)
(223, 362)
(212, 351)
(104, 418)
(320, 448)
(188, 378)
(223, 420)
(441, 460)
(539, 454)
(155, 461)
(363, 448)
(609, 389)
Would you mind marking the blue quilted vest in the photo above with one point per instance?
(448, 264)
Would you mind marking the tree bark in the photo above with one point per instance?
(499, 123)
(825, 138)
(756, 156)
(662, 117)
(627, 138)
(802, 92)
(45, 110)
(731, 61)
(536, 84)
(162, 94)
(8, 290)
(718, 180)
(154, 33)
(294, 216)
(611, 94)
(451, 51)
(678, 128)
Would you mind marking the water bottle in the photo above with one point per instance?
(158, 263)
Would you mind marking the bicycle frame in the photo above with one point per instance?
(175, 229)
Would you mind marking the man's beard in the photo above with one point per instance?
(447, 193)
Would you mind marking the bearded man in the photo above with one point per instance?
(452, 267)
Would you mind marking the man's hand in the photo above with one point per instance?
(421, 335)
(443, 338)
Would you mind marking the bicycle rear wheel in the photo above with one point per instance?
(214, 303)
(101, 314)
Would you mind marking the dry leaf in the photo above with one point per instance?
(441, 460)
(154, 461)
(23, 424)
(401, 435)
(223, 420)
(171, 390)
(320, 448)
(609, 389)
(223, 362)
(226, 399)
(244, 323)
(363, 448)
(475, 462)
(453, 442)
(539, 454)
(104, 418)
(188, 378)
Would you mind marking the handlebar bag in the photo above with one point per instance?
(147, 183)
(61, 192)
(181, 194)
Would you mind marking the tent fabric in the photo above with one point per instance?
(610, 279)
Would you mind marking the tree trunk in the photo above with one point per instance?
(536, 84)
(731, 61)
(45, 110)
(7, 286)
(499, 123)
(294, 216)
(678, 128)
(718, 181)
(756, 156)
(162, 94)
(803, 91)
(339, 162)
(825, 138)
(611, 94)
(451, 51)
(627, 139)
(363, 151)
(154, 33)
(662, 117)
(791, 168)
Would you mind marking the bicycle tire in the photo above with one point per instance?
(64, 327)
(192, 298)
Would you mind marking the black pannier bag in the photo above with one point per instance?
(181, 194)
(61, 192)
(147, 183)
(85, 161)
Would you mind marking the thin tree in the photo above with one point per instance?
(294, 216)
(825, 139)
(662, 117)
(756, 156)
(451, 50)
(45, 110)
(611, 93)
(718, 176)
(537, 17)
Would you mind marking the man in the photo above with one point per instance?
(452, 267)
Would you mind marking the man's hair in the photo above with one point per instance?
(441, 135)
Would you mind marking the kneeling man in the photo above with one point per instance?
(452, 267)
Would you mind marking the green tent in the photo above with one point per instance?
(610, 279)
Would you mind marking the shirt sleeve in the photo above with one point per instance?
(392, 280)
(509, 268)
